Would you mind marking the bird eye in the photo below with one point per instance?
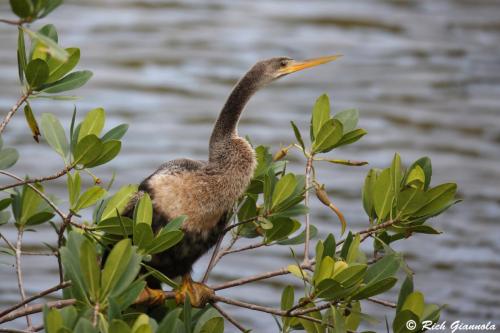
(283, 63)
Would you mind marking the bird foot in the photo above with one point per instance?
(151, 297)
(199, 294)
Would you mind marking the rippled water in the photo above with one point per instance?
(425, 76)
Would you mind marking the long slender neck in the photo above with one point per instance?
(226, 125)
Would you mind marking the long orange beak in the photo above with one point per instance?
(295, 66)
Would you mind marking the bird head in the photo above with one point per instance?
(272, 69)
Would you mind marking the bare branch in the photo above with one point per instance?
(306, 203)
(9, 244)
(244, 248)
(16, 106)
(36, 308)
(382, 302)
(38, 180)
(41, 194)
(229, 318)
(19, 272)
(34, 297)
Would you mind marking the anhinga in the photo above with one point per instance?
(205, 191)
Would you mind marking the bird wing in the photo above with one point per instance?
(169, 168)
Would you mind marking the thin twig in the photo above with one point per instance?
(306, 203)
(37, 180)
(244, 248)
(9, 244)
(216, 256)
(34, 297)
(41, 194)
(15, 107)
(14, 22)
(382, 302)
(229, 318)
(36, 308)
(19, 271)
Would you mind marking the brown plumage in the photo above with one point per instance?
(206, 190)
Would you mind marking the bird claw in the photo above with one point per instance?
(199, 294)
(151, 297)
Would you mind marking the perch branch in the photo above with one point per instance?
(36, 308)
(37, 180)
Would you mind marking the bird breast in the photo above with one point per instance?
(206, 194)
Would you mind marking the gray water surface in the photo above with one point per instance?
(425, 76)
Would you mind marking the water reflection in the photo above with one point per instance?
(424, 74)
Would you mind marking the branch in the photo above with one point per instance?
(229, 318)
(244, 248)
(382, 302)
(38, 180)
(16, 22)
(34, 297)
(19, 272)
(15, 107)
(306, 203)
(9, 244)
(41, 194)
(37, 308)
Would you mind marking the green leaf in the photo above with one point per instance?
(353, 252)
(30, 203)
(110, 150)
(119, 326)
(90, 269)
(416, 178)
(87, 150)
(328, 136)
(399, 324)
(410, 200)
(22, 8)
(338, 321)
(175, 223)
(437, 199)
(48, 8)
(38, 48)
(383, 194)
(93, 123)
(8, 157)
(119, 201)
(298, 136)
(396, 175)
(214, 325)
(39, 218)
(406, 289)
(143, 212)
(325, 270)
(375, 288)
(54, 134)
(4, 203)
(164, 241)
(70, 82)
(382, 269)
(367, 194)
(160, 276)
(425, 164)
(351, 137)
(89, 198)
(74, 187)
(300, 238)
(116, 133)
(143, 235)
(52, 320)
(117, 225)
(287, 298)
(284, 189)
(51, 46)
(115, 266)
(37, 73)
(22, 61)
(281, 228)
(348, 118)
(350, 275)
(415, 303)
(57, 68)
(320, 115)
